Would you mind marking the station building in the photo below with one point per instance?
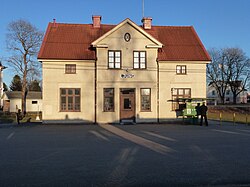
(102, 73)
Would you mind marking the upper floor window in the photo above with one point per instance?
(114, 59)
(213, 92)
(70, 99)
(70, 68)
(139, 59)
(181, 69)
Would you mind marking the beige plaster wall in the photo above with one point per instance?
(194, 79)
(54, 78)
(111, 78)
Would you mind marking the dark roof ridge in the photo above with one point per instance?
(174, 26)
(80, 24)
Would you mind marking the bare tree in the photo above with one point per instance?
(229, 68)
(23, 41)
(217, 73)
(239, 65)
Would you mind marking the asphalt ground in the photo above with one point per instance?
(125, 155)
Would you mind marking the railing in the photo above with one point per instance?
(231, 117)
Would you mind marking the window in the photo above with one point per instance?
(70, 99)
(34, 102)
(70, 68)
(114, 59)
(181, 69)
(139, 59)
(178, 93)
(228, 92)
(213, 92)
(108, 100)
(127, 103)
(145, 99)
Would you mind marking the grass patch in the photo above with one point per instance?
(11, 118)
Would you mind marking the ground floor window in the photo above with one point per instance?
(70, 99)
(145, 99)
(177, 95)
(108, 100)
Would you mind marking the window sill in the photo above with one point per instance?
(140, 69)
(146, 111)
(69, 111)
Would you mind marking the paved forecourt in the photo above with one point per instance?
(124, 155)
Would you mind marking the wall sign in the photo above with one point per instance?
(126, 76)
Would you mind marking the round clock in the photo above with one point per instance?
(127, 37)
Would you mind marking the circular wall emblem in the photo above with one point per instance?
(127, 37)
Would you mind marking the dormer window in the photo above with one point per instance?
(139, 59)
(114, 59)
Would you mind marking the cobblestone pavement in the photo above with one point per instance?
(125, 155)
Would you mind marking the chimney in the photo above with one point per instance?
(146, 22)
(96, 21)
(54, 22)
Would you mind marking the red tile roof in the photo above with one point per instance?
(180, 43)
(73, 42)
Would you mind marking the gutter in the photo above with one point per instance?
(158, 92)
(95, 109)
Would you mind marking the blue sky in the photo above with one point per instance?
(219, 23)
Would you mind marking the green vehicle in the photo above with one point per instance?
(187, 108)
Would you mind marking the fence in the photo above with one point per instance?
(231, 117)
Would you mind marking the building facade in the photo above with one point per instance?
(215, 98)
(12, 100)
(98, 73)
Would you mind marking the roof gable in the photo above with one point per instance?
(132, 24)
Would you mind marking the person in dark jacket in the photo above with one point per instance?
(18, 116)
(203, 110)
(198, 110)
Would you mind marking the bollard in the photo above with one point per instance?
(234, 118)
(246, 120)
(220, 117)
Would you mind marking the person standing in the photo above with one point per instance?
(203, 110)
(198, 110)
(17, 115)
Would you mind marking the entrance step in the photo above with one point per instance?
(127, 122)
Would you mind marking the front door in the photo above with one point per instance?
(127, 104)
